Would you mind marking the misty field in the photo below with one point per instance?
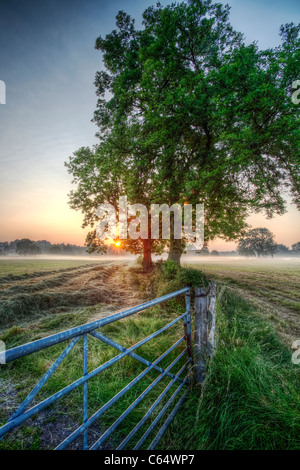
(271, 285)
(250, 399)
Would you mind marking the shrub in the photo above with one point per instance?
(170, 277)
(170, 270)
(192, 277)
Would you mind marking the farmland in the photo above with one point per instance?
(250, 399)
(40, 299)
(33, 290)
(271, 285)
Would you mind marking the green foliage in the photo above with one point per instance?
(55, 250)
(170, 270)
(192, 277)
(27, 247)
(169, 277)
(280, 248)
(139, 261)
(257, 242)
(296, 247)
(187, 112)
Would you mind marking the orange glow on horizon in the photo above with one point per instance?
(42, 215)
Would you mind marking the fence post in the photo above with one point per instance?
(212, 343)
(187, 324)
(201, 333)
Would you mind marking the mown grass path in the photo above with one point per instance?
(272, 286)
(43, 301)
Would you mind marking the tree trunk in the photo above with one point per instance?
(175, 250)
(147, 259)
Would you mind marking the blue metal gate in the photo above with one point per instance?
(75, 334)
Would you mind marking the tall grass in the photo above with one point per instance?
(250, 399)
(27, 371)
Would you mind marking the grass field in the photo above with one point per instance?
(250, 399)
(44, 289)
(37, 301)
(33, 266)
(271, 285)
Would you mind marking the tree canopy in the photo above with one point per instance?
(257, 242)
(187, 112)
(27, 247)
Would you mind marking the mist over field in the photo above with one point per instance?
(243, 260)
(71, 258)
(186, 258)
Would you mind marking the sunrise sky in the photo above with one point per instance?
(48, 63)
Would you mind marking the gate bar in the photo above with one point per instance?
(48, 401)
(164, 427)
(160, 414)
(111, 429)
(85, 390)
(118, 346)
(114, 399)
(43, 343)
(44, 379)
(152, 408)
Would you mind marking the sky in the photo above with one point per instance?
(48, 63)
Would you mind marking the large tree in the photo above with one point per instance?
(257, 242)
(187, 112)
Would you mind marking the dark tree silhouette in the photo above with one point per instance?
(257, 242)
(27, 247)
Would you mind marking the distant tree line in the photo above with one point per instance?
(25, 246)
(261, 242)
(257, 242)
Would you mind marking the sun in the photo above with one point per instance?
(117, 244)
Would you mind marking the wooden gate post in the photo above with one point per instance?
(212, 342)
(201, 333)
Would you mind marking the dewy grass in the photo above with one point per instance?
(30, 301)
(26, 371)
(250, 399)
(18, 269)
(272, 286)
